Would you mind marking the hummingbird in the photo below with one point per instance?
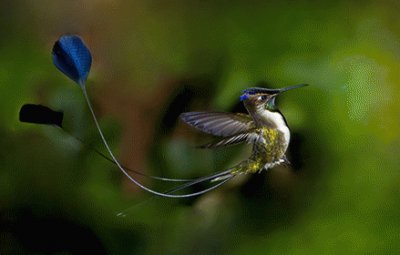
(264, 127)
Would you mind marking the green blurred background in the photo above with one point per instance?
(155, 59)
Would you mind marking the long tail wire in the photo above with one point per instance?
(101, 154)
(140, 185)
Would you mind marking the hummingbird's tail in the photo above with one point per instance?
(246, 166)
(221, 177)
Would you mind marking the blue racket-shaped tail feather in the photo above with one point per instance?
(72, 57)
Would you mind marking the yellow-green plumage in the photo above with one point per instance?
(267, 151)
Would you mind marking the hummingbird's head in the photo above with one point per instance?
(263, 97)
(258, 100)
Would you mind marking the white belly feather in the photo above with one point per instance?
(276, 119)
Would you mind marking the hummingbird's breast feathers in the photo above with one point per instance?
(274, 120)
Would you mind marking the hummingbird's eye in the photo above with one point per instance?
(262, 98)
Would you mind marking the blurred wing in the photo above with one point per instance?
(219, 123)
(231, 140)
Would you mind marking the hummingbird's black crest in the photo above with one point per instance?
(259, 90)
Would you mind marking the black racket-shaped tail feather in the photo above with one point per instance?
(39, 114)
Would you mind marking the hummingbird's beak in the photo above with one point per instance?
(278, 91)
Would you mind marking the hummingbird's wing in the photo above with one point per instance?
(219, 123)
(248, 137)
